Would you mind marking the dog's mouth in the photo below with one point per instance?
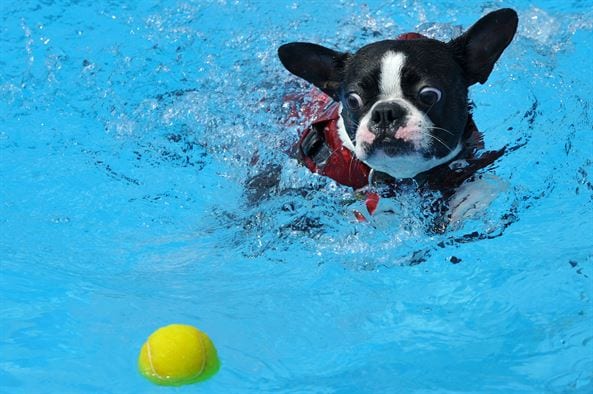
(405, 158)
(402, 162)
(390, 146)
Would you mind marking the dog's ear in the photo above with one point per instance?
(321, 66)
(482, 44)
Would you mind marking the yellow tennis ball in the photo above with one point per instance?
(178, 354)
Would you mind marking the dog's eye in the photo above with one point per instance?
(353, 102)
(429, 96)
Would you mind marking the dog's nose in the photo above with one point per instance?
(387, 115)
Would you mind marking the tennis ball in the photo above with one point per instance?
(178, 354)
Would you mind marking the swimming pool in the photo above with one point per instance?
(128, 131)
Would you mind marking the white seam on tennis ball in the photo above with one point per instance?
(205, 355)
(150, 359)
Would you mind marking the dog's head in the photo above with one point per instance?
(404, 102)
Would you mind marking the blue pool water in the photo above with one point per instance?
(128, 132)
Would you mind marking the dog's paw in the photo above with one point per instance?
(472, 199)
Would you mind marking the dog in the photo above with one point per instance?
(400, 107)
(404, 103)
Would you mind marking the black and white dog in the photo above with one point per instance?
(404, 103)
